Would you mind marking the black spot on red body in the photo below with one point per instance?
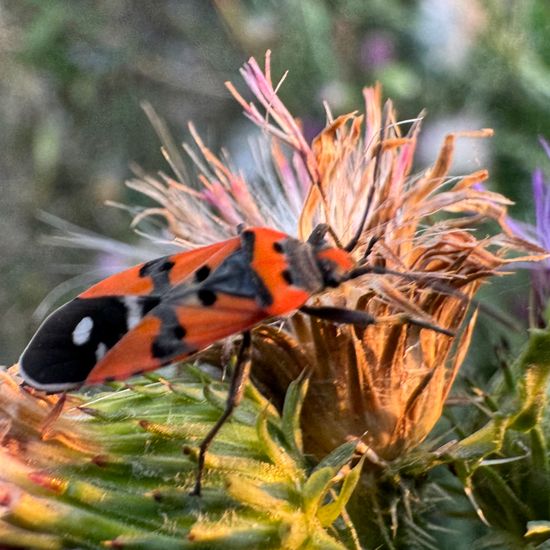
(248, 239)
(207, 297)
(159, 265)
(287, 276)
(278, 247)
(257, 288)
(263, 297)
(179, 332)
(170, 341)
(166, 348)
(158, 351)
(148, 303)
(202, 273)
(159, 271)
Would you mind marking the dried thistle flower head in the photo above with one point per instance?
(389, 381)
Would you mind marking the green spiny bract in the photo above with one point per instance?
(115, 470)
(503, 465)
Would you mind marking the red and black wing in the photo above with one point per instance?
(76, 337)
(175, 330)
(163, 310)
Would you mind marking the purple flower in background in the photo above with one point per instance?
(539, 233)
(541, 273)
(377, 50)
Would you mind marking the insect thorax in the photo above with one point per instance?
(305, 270)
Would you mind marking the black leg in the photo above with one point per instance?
(318, 234)
(363, 319)
(370, 246)
(234, 397)
(425, 324)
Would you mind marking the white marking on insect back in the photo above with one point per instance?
(100, 351)
(82, 331)
(133, 311)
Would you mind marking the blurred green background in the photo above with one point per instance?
(74, 75)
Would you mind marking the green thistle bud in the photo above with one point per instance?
(116, 470)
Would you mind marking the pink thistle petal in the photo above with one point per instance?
(216, 195)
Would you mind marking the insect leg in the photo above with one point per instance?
(317, 236)
(234, 397)
(363, 319)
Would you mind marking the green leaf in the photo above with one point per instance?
(535, 363)
(275, 451)
(510, 508)
(322, 541)
(292, 408)
(258, 497)
(330, 512)
(339, 457)
(315, 489)
(500, 541)
(481, 443)
(539, 450)
(12, 536)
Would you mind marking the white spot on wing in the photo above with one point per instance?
(100, 351)
(82, 331)
(133, 311)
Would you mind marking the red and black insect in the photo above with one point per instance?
(168, 309)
